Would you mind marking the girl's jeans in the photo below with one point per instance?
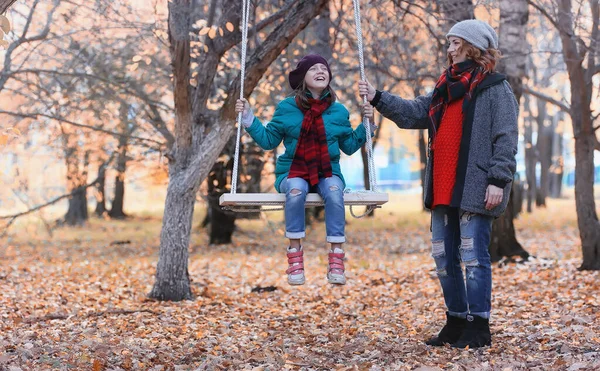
(461, 236)
(332, 192)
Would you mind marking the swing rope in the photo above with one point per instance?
(369, 144)
(245, 17)
(365, 121)
(361, 61)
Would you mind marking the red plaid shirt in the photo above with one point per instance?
(311, 159)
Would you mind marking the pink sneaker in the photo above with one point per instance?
(295, 269)
(335, 268)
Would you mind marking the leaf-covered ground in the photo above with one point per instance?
(78, 301)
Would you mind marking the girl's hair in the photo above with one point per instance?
(485, 59)
(302, 94)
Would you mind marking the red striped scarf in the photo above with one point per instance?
(312, 153)
(457, 81)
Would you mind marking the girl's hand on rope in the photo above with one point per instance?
(493, 196)
(242, 105)
(365, 88)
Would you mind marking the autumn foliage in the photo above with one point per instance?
(79, 301)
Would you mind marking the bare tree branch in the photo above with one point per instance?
(556, 25)
(594, 42)
(563, 106)
(69, 122)
(427, 24)
(118, 83)
(386, 71)
(234, 38)
(121, 84)
(24, 201)
(23, 39)
(548, 16)
(5, 4)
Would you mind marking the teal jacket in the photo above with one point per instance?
(285, 125)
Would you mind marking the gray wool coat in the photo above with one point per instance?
(488, 144)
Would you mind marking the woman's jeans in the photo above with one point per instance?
(331, 190)
(461, 236)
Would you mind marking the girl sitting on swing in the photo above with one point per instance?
(313, 128)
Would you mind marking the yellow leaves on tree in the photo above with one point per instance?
(212, 33)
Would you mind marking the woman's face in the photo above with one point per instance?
(455, 50)
(317, 77)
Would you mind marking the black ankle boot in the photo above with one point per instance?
(476, 335)
(450, 333)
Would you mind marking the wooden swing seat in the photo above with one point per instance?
(312, 199)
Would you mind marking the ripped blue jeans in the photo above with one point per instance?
(460, 236)
(331, 190)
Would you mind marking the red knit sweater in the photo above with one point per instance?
(446, 146)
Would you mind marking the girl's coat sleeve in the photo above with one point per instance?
(270, 136)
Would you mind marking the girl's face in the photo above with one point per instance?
(455, 50)
(317, 77)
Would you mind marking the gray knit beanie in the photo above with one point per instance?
(478, 33)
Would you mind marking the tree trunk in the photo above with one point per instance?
(505, 243)
(584, 134)
(5, 4)
(530, 157)
(423, 161)
(517, 193)
(321, 26)
(250, 165)
(77, 213)
(253, 163)
(544, 147)
(116, 209)
(365, 162)
(456, 10)
(557, 169)
(100, 194)
(222, 222)
(200, 135)
(587, 219)
(545, 151)
(423, 144)
(172, 278)
(513, 45)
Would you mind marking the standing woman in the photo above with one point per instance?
(471, 115)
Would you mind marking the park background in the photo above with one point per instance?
(117, 136)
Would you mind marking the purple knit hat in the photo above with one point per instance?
(297, 76)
